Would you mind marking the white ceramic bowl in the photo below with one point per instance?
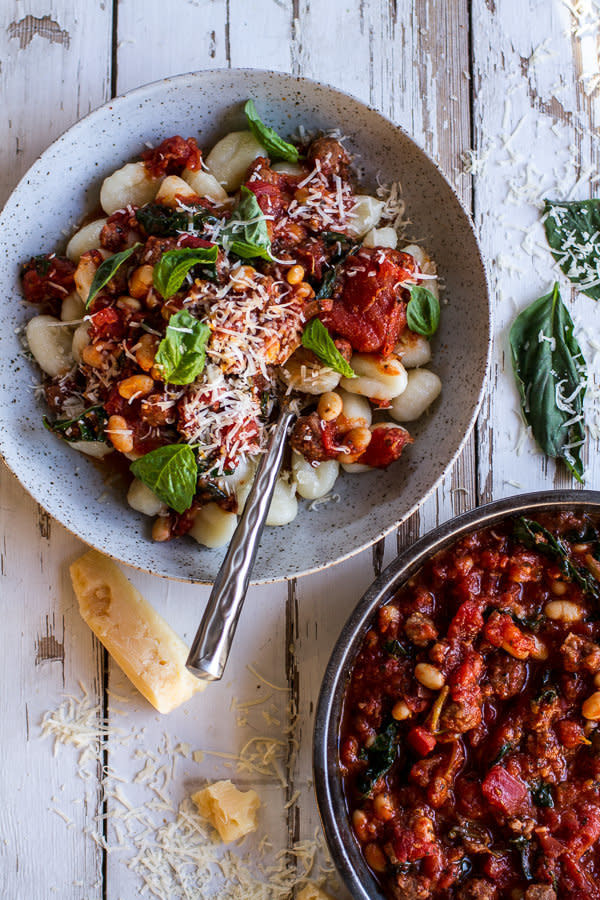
(64, 184)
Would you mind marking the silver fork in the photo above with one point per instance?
(211, 646)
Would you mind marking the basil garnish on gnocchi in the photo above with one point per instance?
(215, 275)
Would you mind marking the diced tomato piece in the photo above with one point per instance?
(467, 622)
(48, 279)
(386, 446)
(503, 791)
(269, 196)
(172, 156)
(500, 869)
(421, 740)
(501, 631)
(370, 306)
(106, 325)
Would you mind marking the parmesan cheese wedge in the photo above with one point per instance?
(311, 892)
(231, 812)
(140, 641)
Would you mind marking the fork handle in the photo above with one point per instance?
(210, 648)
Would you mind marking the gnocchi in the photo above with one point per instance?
(213, 526)
(131, 185)
(314, 480)
(365, 214)
(422, 389)
(179, 356)
(228, 161)
(205, 185)
(50, 342)
(87, 238)
(378, 378)
(303, 372)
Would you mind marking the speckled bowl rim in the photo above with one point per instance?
(342, 843)
(145, 91)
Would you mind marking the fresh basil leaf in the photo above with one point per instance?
(573, 233)
(182, 352)
(275, 146)
(423, 311)
(171, 269)
(107, 270)
(380, 757)
(316, 338)
(87, 426)
(550, 372)
(535, 537)
(171, 472)
(541, 794)
(505, 749)
(246, 234)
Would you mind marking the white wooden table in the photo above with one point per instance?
(516, 81)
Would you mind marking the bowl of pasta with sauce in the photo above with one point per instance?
(191, 251)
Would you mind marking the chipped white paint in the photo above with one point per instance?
(410, 58)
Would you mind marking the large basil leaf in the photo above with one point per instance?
(173, 266)
(551, 377)
(246, 233)
(275, 146)
(171, 472)
(316, 338)
(423, 311)
(107, 270)
(573, 232)
(380, 757)
(182, 352)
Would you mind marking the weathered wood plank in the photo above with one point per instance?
(541, 140)
(47, 649)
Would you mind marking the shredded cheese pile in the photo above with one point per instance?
(175, 854)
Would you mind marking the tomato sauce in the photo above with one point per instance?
(470, 746)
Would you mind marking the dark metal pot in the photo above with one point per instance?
(342, 843)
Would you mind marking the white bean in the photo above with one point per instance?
(144, 500)
(72, 308)
(87, 238)
(356, 412)
(228, 160)
(314, 481)
(50, 343)
(130, 185)
(379, 378)
(96, 449)
(172, 188)
(413, 349)
(421, 390)
(563, 611)
(213, 526)
(81, 339)
(85, 271)
(284, 505)
(381, 237)
(205, 185)
(303, 372)
(365, 214)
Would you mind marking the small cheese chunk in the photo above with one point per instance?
(232, 812)
(140, 641)
(311, 892)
